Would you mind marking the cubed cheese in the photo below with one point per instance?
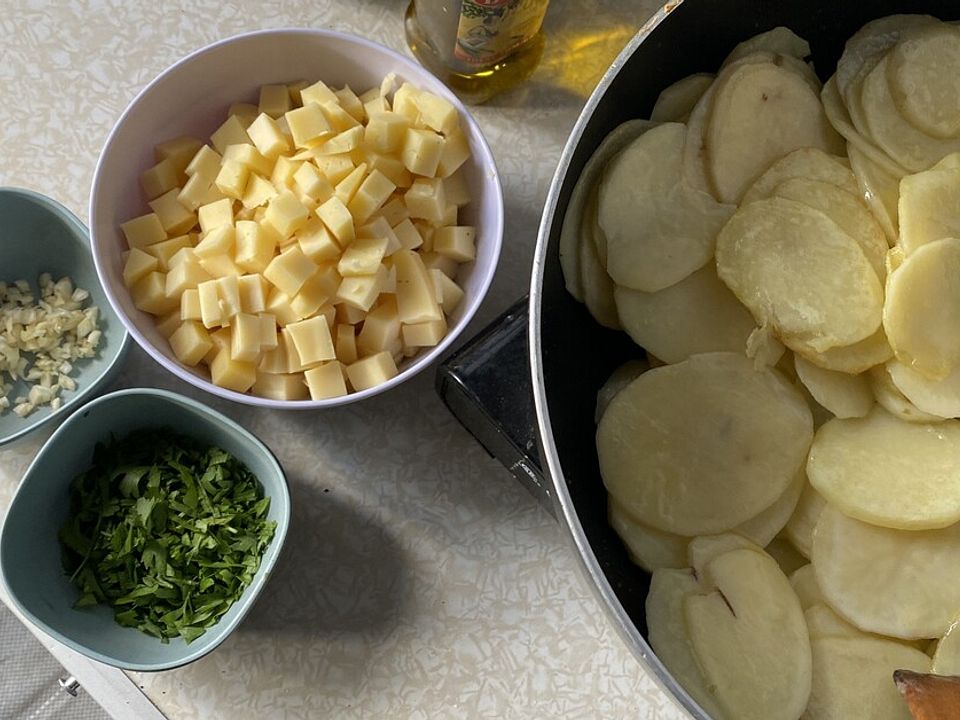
(371, 371)
(290, 270)
(425, 334)
(253, 292)
(312, 339)
(190, 305)
(255, 246)
(219, 266)
(308, 125)
(274, 100)
(317, 93)
(215, 214)
(374, 103)
(351, 103)
(245, 112)
(449, 294)
(385, 132)
(405, 103)
(416, 297)
(343, 142)
(286, 214)
(206, 162)
(334, 167)
(347, 187)
(159, 179)
(456, 242)
(278, 305)
(150, 294)
(179, 151)
(394, 212)
(346, 343)
(274, 360)
(455, 189)
(196, 192)
(426, 199)
(450, 215)
(247, 154)
(340, 120)
(282, 386)
(283, 173)
(390, 284)
(338, 220)
(454, 153)
(144, 230)
(362, 290)
(259, 191)
(362, 257)
(232, 179)
(326, 381)
(437, 113)
(267, 136)
(184, 276)
(316, 242)
(348, 314)
(268, 331)
(232, 132)
(245, 338)
(319, 287)
(290, 352)
(421, 151)
(164, 251)
(435, 261)
(391, 166)
(371, 194)
(228, 293)
(380, 328)
(210, 313)
(294, 89)
(167, 324)
(380, 228)
(232, 374)
(190, 343)
(312, 183)
(218, 241)
(408, 235)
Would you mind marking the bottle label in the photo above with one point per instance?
(490, 30)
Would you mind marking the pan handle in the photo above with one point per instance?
(486, 384)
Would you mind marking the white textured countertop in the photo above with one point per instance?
(419, 580)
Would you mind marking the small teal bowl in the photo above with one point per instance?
(39, 235)
(30, 565)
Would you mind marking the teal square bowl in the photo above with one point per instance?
(39, 235)
(30, 565)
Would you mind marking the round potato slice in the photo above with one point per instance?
(765, 526)
(853, 359)
(879, 189)
(809, 163)
(893, 401)
(796, 270)
(779, 40)
(658, 229)
(804, 583)
(694, 150)
(900, 583)
(704, 445)
(935, 397)
(924, 76)
(800, 526)
(760, 113)
(889, 472)
(846, 396)
(676, 102)
(946, 658)
(571, 232)
(852, 677)
(699, 314)
(929, 208)
(786, 555)
(618, 380)
(647, 547)
(921, 315)
(597, 285)
(822, 621)
(765, 349)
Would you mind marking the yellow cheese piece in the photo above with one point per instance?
(274, 360)
(267, 136)
(184, 276)
(453, 155)
(390, 284)
(232, 179)
(259, 191)
(290, 270)
(340, 120)
(326, 381)
(426, 232)
(245, 338)
(351, 103)
(255, 246)
(275, 100)
(385, 132)
(278, 305)
(317, 93)
(228, 293)
(280, 386)
(408, 235)
(205, 162)
(159, 179)
(179, 151)
(246, 113)
(346, 188)
(362, 257)
(435, 261)
(220, 338)
(218, 241)
(268, 331)
(380, 228)
(380, 328)
(247, 154)
(456, 190)
(143, 231)
(371, 194)
(371, 371)
(329, 313)
(345, 343)
(137, 266)
(232, 132)
(456, 242)
(286, 214)
(437, 113)
(190, 305)
(312, 183)
(219, 266)
(310, 298)
(338, 220)
(449, 215)
(253, 293)
(426, 199)
(167, 324)
(316, 242)
(334, 167)
(449, 294)
(150, 294)
(405, 103)
(210, 313)
(421, 151)
(164, 251)
(312, 339)
(416, 297)
(349, 314)
(391, 166)
(197, 191)
(308, 125)
(294, 90)
(426, 334)
(343, 142)
(190, 343)
(374, 103)
(394, 212)
(215, 214)
(232, 374)
(184, 254)
(283, 173)
(362, 290)
(290, 352)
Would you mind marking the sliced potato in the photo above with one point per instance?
(921, 315)
(668, 633)
(879, 189)
(658, 229)
(597, 285)
(760, 113)
(852, 678)
(764, 348)
(853, 359)
(923, 79)
(809, 163)
(779, 40)
(676, 102)
(844, 395)
(929, 208)
(699, 314)
(935, 397)
(618, 380)
(950, 162)
(785, 554)
(900, 583)
(704, 445)
(946, 658)
(795, 269)
(799, 528)
(704, 549)
(648, 547)
(894, 401)
(749, 637)
(804, 584)
(822, 622)
(694, 148)
(764, 527)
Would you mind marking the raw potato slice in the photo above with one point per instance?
(763, 528)
(677, 101)
(936, 397)
(889, 472)
(822, 622)
(668, 633)
(799, 528)
(764, 348)
(852, 678)
(879, 189)
(899, 583)
(597, 285)
(694, 152)
(779, 40)
(853, 359)
(658, 229)
(946, 658)
(929, 208)
(807, 163)
(924, 80)
(894, 401)
(804, 584)
(761, 112)
(846, 211)
(618, 380)
(699, 314)
(910, 147)
(796, 270)
(846, 396)
(750, 639)
(921, 315)
(786, 555)
(704, 445)
(649, 548)
(704, 549)
(571, 230)
(950, 162)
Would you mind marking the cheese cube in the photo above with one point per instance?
(190, 305)
(294, 89)
(316, 242)
(421, 151)
(282, 386)
(205, 162)
(232, 374)
(456, 242)
(246, 113)
(435, 261)
(371, 194)
(338, 219)
(348, 186)
(455, 189)
(215, 214)
(329, 313)
(259, 191)
(426, 334)
(317, 93)
(286, 214)
(392, 168)
(371, 371)
(312, 339)
(345, 343)
(274, 360)
(314, 293)
(362, 290)
(449, 215)
(380, 328)
(449, 294)
(245, 338)
(228, 294)
(179, 151)
(385, 132)
(254, 246)
(275, 100)
(137, 266)
(416, 297)
(437, 113)
(231, 132)
(159, 179)
(164, 251)
(334, 167)
(426, 199)
(394, 212)
(167, 324)
(290, 352)
(190, 343)
(195, 192)
(343, 142)
(253, 293)
(390, 284)
(339, 119)
(351, 103)
(290, 270)
(143, 231)
(219, 241)
(308, 125)
(405, 103)
(221, 339)
(454, 153)
(362, 257)
(278, 305)
(246, 154)
(268, 331)
(283, 173)
(380, 228)
(326, 381)
(149, 294)
(348, 314)
(184, 276)
(219, 265)
(232, 179)
(425, 230)
(210, 313)
(408, 235)
(267, 136)
(374, 104)
(312, 183)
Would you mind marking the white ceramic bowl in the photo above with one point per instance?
(192, 97)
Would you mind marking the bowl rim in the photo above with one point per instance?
(420, 362)
(254, 588)
(81, 234)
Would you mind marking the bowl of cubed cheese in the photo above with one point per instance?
(296, 218)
